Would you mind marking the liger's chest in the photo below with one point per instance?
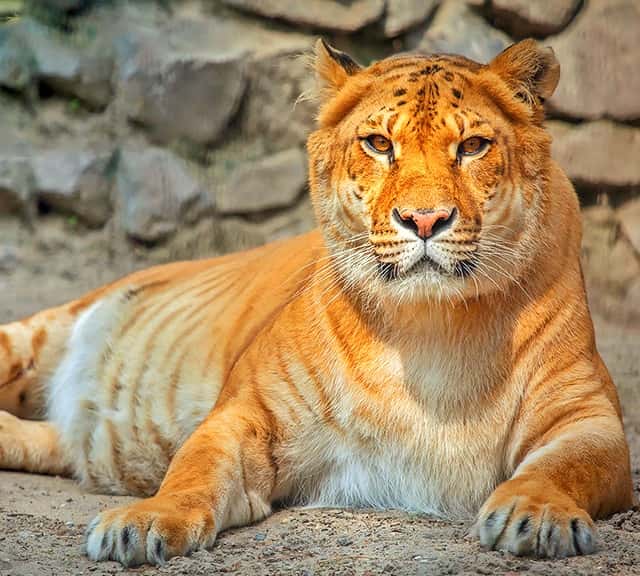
(388, 447)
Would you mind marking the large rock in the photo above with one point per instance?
(156, 193)
(598, 154)
(82, 71)
(16, 185)
(184, 97)
(336, 15)
(17, 63)
(608, 257)
(629, 216)
(458, 28)
(186, 81)
(622, 266)
(76, 181)
(402, 15)
(272, 182)
(522, 18)
(600, 60)
(275, 111)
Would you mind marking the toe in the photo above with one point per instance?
(130, 546)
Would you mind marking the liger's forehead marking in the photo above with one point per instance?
(418, 86)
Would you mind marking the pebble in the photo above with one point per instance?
(344, 541)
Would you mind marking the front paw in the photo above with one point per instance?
(530, 518)
(152, 530)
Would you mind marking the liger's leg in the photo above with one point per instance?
(572, 466)
(29, 351)
(222, 476)
(30, 446)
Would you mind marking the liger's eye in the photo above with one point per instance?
(379, 144)
(473, 146)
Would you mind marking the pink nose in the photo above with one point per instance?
(424, 222)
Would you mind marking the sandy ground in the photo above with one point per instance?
(42, 519)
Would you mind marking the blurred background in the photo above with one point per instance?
(136, 132)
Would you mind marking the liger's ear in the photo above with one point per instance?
(530, 71)
(332, 67)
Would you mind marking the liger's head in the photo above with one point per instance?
(428, 172)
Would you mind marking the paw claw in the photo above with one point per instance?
(147, 531)
(534, 526)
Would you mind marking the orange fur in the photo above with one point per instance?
(357, 364)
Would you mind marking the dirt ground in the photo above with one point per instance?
(42, 519)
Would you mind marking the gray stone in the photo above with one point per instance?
(632, 298)
(177, 91)
(622, 266)
(272, 182)
(599, 59)
(402, 15)
(629, 216)
(599, 154)
(181, 97)
(458, 28)
(336, 15)
(156, 193)
(17, 63)
(275, 111)
(186, 80)
(76, 181)
(16, 185)
(80, 71)
(9, 258)
(522, 18)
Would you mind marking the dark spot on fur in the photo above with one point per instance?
(524, 525)
(448, 76)
(22, 397)
(401, 102)
(431, 69)
(456, 93)
(399, 92)
(126, 536)
(159, 549)
(455, 105)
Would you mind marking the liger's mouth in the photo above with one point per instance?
(391, 271)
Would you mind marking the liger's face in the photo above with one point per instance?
(426, 190)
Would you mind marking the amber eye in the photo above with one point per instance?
(472, 146)
(379, 144)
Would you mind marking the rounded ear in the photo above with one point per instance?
(530, 71)
(332, 67)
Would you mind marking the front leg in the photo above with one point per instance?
(223, 476)
(571, 467)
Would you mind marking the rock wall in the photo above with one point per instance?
(142, 120)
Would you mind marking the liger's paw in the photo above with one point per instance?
(150, 531)
(530, 520)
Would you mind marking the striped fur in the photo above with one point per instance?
(355, 365)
